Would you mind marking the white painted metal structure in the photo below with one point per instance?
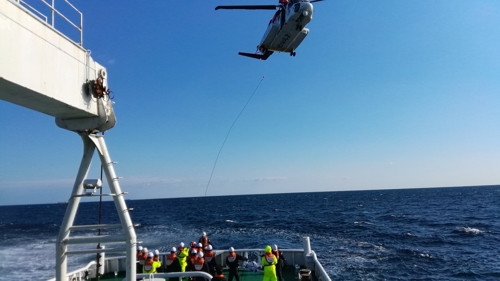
(42, 69)
(90, 143)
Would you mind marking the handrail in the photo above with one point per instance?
(178, 274)
(32, 9)
(77, 274)
(324, 276)
(39, 14)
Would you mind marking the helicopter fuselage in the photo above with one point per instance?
(285, 32)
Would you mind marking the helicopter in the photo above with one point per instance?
(285, 31)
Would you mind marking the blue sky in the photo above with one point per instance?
(382, 94)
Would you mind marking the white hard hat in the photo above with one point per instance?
(150, 255)
(275, 247)
(200, 255)
(204, 233)
(173, 249)
(200, 245)
(193, 251)
(139, 248)
(144, 250)
(181, 245)
(231, 249)
(209, 248)
(157, 253)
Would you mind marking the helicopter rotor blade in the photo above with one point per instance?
(312, 1)
(248, 7)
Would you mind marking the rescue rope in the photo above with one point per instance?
(230, 128)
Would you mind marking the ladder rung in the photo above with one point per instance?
(88, 194)
(95, 226)
(93, 251)
(94, 239)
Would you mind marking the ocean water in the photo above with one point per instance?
(407, 234)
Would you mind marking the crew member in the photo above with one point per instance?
(156, 258)
(219, 276)
(199, 265)
(269, 262)
(182, 256)
(150, 265)
(199, 247)
(204, 240)
(281, 262)
(141, 257)
(138, 257)
(193, 255)
(193, 245)
(210, 260)
(232, 261)
(172, 264)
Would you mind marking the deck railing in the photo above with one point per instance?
(53, 12)
(80, 274)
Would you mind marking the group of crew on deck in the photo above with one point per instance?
(200, 257)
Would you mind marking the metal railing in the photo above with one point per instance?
(79, 274)
(53, 12)
(320, 272)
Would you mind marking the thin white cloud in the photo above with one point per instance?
(267, 179)
(38, 184)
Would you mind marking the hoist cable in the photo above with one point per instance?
(227, 135)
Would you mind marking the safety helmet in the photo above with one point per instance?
(231, 249)
(173, 249)
(193, 244)
(150, 255)
(200, 245)
(200, 255)
(209, 248)
(157, 253)
(193, 251)
(204, 233)
(139, 248)
(268, 249)
(181, 245)
(144, 250)
(275, 247)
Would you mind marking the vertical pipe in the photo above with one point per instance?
(71, 209)
(121, 207)
(307, 246)
(81, 29)
(53, 12)
(100, 265)
(102, 257)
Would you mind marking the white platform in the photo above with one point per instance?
(40, 68)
